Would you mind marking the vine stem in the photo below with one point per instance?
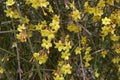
(19, 71)
(81, 61)
(19, 66)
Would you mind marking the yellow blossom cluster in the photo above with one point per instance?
(12, 13)
(59, 77)
(22, 35)
(40, 57)
(66, 69)
(73, 28)
(63, 68)
(87, 57)
(55, 23)
(75, 14)
(49, 31)
(96, 11)
(115, 17)
(37, 3)
(109, 28)
(64, 48)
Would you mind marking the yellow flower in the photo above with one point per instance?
(96, 18)
(41, 25)
(38, 3)
(22, 36)
(96, 73)
(101, 3)
(90, 10)
(87, 58)
(50, 9)
(116, 47)
(114, 37)
(104, 53)
(59, 77)
(16, 14)
(35, 4)
(87, 64)
(48, 33)
(116, 60)
(42, 58)
(27, 1)
(72, 5)
(105, 31)
(51, 35)
(78, 50)
(36, 55)
(83, 40)
(12, 13)
(26, 20)
(86, 4)
(59, 45)
(117, 50)
(60, 63)
(46, 44)
(43, 3)
(74, 28)
(75, 14)
(67, 46)
(54, 26)
(66, 69)
(98, 12)
(9, 12)
(31, 27)
(10, 2)
(106, 21)
(88, 49)
(112, 29)
(111, 2)
(1, 70)
(21, 28)
(65, 55)
(55, 23)
(56, 18)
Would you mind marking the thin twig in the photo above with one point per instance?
(81, 61)
(86, 30)
(19, 66)
(10, 31)
(18, 54)
(97, 51)
(8, 22)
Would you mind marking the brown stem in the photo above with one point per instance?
(19, 71)
(19, 67)
(81, 61)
